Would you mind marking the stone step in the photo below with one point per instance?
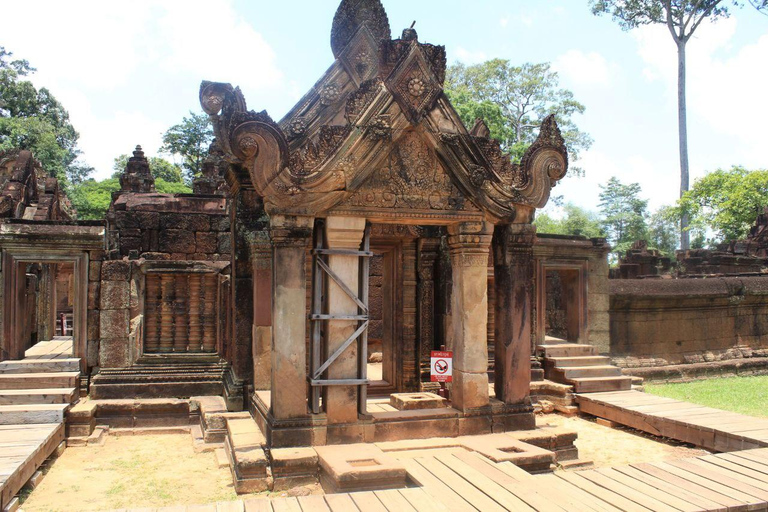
(32, 414)
(580, 361)
(575, 372)
(39, 380)
(37, 396)
(567, 350)
(600, 384)
(40, 366)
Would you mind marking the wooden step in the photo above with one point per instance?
(37, 396)
(600, 384)
(580, 361)
(32, 414)
(39, 380)
(567, 350)
(575, 372)
(40, 365)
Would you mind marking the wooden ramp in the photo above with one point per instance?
(712, 429)
(458, 480)
(34, 396)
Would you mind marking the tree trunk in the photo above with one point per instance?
(683, 132)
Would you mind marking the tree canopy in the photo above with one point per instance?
(577, 222)
(91, 198)
(623, 214)
(726, 202)
(189, 141)
(513, 101)
(160, 168)
(34, 119)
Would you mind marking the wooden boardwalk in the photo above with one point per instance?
(32, 409)
(712, 429)
(458, 480)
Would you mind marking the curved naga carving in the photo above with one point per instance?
(255, 142)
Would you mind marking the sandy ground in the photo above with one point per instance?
(163, 470)
(607, 446)
(130, 472)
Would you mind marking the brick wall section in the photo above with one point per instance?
(114, 314)
(657, 322)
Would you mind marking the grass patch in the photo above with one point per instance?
(746, 395)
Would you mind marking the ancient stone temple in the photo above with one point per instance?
(365, 219)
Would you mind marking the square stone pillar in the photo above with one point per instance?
(291, 237)
(261, 258)
(513, 277)
(469, 245)
(342, 233)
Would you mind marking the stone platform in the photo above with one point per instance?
(383, 424)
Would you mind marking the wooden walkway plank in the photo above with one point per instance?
(290, 504)
(626, 491)
(313, 503)
(577, 499)
(341, 503)
(421, 501)
(491, 488)
(761, 484)
(435, 487)
(367, 501)
(736, 459)
(690, 497)
(607, 495)
(489, 468)
(394, 501)
(466, 489)
(650, 491)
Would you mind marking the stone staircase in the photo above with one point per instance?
(581, 366)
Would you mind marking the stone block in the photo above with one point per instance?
(224, 243)
(469, 390)
(128, 244)
(358, 467)
(126, 220)
(177, 241)
(93, 324)
(294, 461)
(118, 270)
(115, 295)
(185, 222)
(113, 324)
(92, 352)
(94, 271)
(206, 242)
(113, 353)
(93, 294)
(219, 223)
(148, 220)
(415, 401)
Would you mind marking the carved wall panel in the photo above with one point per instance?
(180, 312)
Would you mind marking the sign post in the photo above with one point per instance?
(441, 366)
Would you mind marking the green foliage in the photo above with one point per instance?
(189, 140)
(624, 214)
(577, 221)
(513, 101)
(91, 198)
(663, 230)
(171, 187)
(160, 167)
(34, 119)
(681, 16)
(726, 201)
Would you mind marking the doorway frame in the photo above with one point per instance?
(582, 270)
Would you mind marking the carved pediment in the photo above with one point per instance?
(411, 178)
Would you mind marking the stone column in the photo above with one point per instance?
(469, 245)
(342, 233)
(261, 256)
(514, 274)
(290, 240)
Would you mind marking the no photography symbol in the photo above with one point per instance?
(441, 366)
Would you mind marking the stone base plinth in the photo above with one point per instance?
(390, 426)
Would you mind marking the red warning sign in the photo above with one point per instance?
(441, 369)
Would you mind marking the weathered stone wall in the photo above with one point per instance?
(657, 322)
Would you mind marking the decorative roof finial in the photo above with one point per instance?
(409, 34)
(137, 176)
(353, 14)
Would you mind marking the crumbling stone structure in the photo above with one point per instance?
(640, 261)
(27, 191)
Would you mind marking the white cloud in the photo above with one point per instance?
(721, 83)
(470, 57)
(526, 20)
(580, 68)
(93, 50)
(504, 22)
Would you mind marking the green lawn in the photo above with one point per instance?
(747, 395)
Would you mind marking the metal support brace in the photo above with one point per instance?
(321, 273)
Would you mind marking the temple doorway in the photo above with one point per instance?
(385, 331)
(564, 308)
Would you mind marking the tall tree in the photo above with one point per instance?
(576, 221)
(35, 120)
(513, 101)
(682, 18)
(624, 214)
(189, 140)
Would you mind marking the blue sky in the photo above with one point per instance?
(128, 71)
